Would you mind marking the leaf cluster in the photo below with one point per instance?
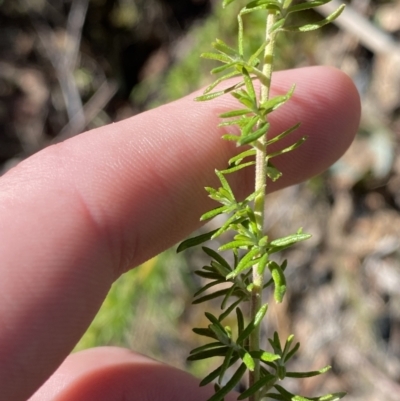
(236, 353)
(234, 62)
(251, 248)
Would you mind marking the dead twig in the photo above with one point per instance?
(90, 110)
(64, 59)
(368, 34)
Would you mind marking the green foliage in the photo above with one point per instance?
(251, 249)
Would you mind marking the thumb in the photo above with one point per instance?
(116, 374)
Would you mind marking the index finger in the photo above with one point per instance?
(79, 213)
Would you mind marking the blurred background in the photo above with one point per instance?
(70, 65)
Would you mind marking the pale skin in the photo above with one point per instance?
(78, 214)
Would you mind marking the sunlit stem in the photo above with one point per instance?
(259, 203)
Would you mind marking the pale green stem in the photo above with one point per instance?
(259, 203)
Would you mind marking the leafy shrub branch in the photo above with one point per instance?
(252, 269)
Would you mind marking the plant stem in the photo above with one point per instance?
(259, 203)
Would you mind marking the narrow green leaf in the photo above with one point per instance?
(215, 373)
(280, 371)
(306, 6)
(287, 345)
(256, 387)
(249, 84)
(258, 52)
(238, 158)
(300, 375)
(204, 332)
(272, 365)
(315, 25)
(210, 353)
(267, 4)
(230, 308)
(261, 77)
(243, 97)
(289, 240)
(238, 167)
(219, 80)
(269, 357)
(216, 256)
(208, 286)
(278, 25)
(330, 397)
(235, 113)
(211, 191)
(283, 134)
(240, 321)
(208, 275)
(227, 2)
(216, 56)
(216, 212)
(272, 172)
(276, 344)
(213, 319)
(283, 391)
(262, 263)
(221, 334)
(249, 126)
(278, 397)
(245, 263)
(205, 347)
(253, 324)
(250, 287)
(210, 268)
(209, 96)
(292, 352)
(300, 398)
(244, 234)
(230, 385)
(288, 149)
(229, 137)
(194, 241)
(234, 219)
(224, 67)
(207, 297)
(222, 47)
(250, 222)
(225, 364)
(236, 251)
(227, 296)
(249, 361)
(240, 122)
(224, 183)
(279, 280)
(221, 269)
(277, 101)
(236, 244)
(253, 136)
(251, 197)
(225, 197)
(260, 314)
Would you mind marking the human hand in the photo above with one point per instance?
(78, 214)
